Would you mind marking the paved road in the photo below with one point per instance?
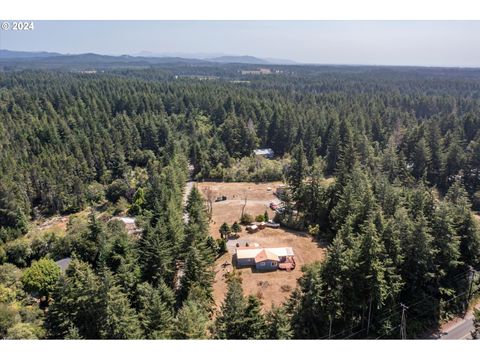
(460, 330)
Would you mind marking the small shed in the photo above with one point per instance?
(64, 263)
(266, 153)
(129, 223)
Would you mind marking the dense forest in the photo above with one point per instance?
(402, 145)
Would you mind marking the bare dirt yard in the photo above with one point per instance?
(258, 200)
(271, 287)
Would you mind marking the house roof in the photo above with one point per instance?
(248, 252)
(64, 263)
(263, 152)
(266, 254)
(127, 220)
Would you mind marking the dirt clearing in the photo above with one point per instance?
(271, 287)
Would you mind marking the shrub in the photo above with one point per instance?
(120, 206)
(222, 246)
(8, 317)
(313, 229)
(22, 331)
(41, 277)
(246, 219)
(116, 190)
(476, 201)
(95, 193)
(41, 246)
(3, 255)
(18, 252)
(259, 218)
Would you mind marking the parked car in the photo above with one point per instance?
(272, 224)
(273, 206)
(221, 198)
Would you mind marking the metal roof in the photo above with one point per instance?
(263, 152)
(248, 253)
(265, 254)
(64, 263)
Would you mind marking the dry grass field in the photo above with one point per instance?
(271, 287)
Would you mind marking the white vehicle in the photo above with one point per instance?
(272, 224)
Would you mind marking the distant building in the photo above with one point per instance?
(266, 258)
(267, 153)
(260, 71)
(130, 225)
(64, 263)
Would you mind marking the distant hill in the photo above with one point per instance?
(239, 60)
(8, 54)
(26, 60)
(48, 60)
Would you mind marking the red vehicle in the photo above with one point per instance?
(273, 206)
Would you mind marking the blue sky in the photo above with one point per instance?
(425, 43)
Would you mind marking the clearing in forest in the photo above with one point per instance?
(272, 287)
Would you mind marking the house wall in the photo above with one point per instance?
(246, 262)
(267, 265)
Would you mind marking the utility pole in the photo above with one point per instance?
(471, 276)
(330, 328)
(369, 315)
(403, 324)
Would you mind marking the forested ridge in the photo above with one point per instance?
(402, 144)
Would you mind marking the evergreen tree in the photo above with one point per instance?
(157, 254)
(236, 228)
(224, 230)
(230, 322)
(156, 310)
(298, 170)
(254, 326)
(77, 304)
(91, 245)
(191, 322)
(421, 159)
(278, 324)
(119, 320)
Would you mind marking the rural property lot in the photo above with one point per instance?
(272, 287)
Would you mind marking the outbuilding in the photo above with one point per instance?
(266, 153)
